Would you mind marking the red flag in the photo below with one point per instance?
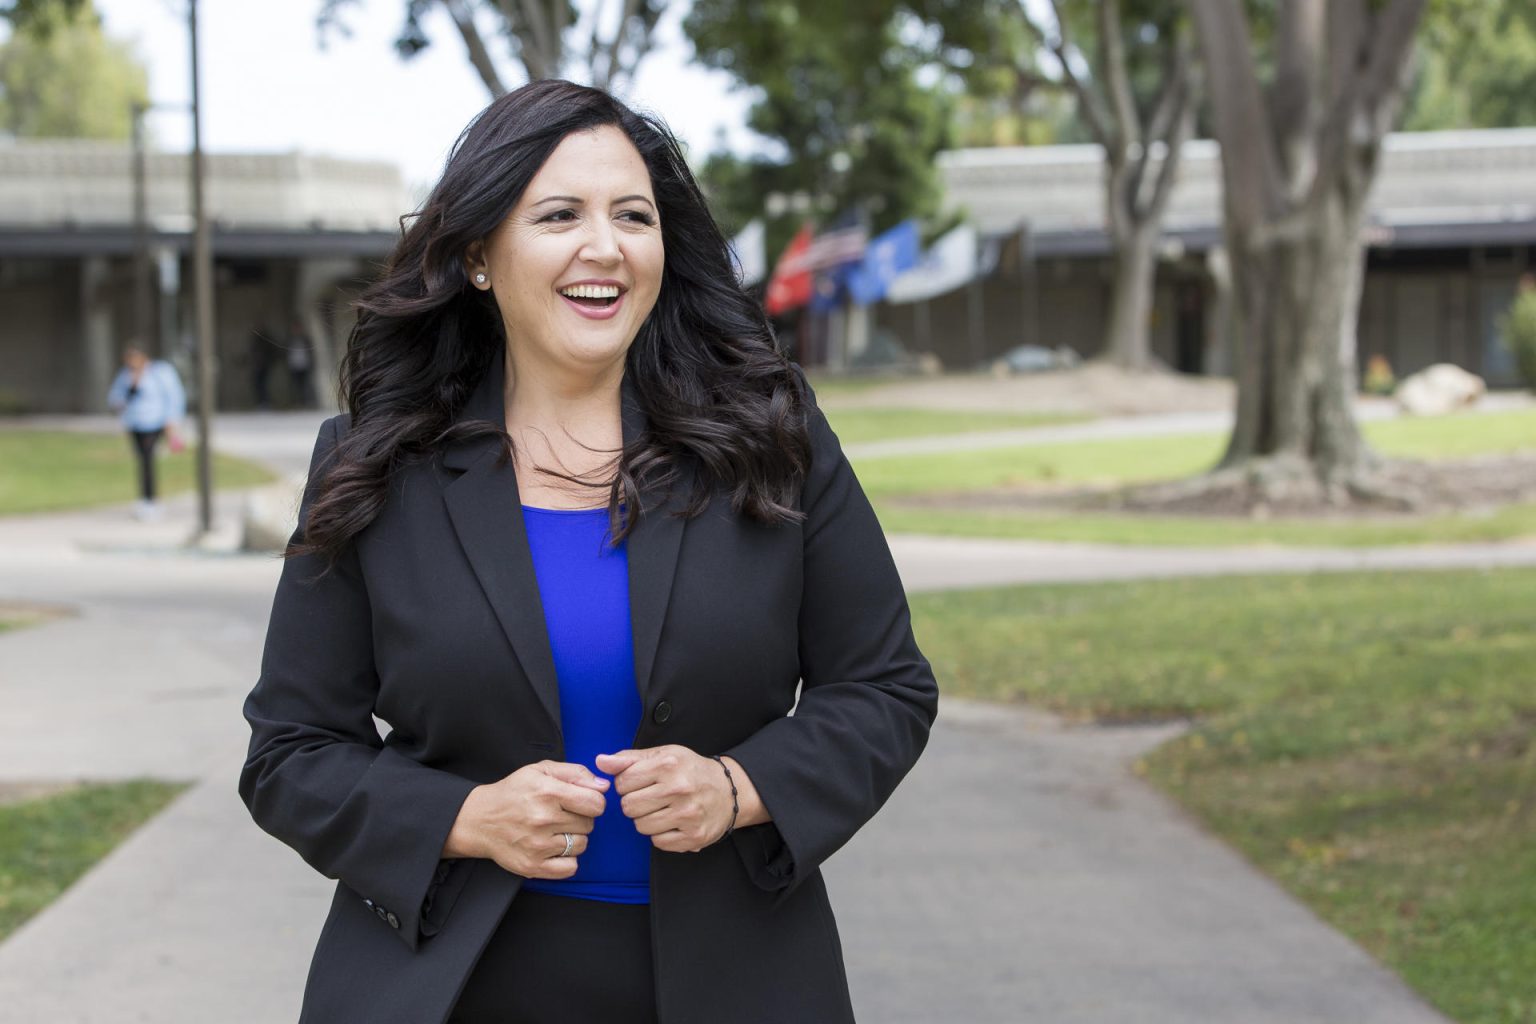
(791, 286)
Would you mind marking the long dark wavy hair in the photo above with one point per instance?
(716, 391)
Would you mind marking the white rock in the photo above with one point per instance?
(1439, 389)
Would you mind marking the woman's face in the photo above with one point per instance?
(576, 267)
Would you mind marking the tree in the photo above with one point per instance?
(1130, 70)
(1298, 159)
(1478, 67)
(22, 13)
(1138, 101)
(508, 40)
(61, 77)
(841, 102)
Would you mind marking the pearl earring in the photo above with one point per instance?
(479, 279)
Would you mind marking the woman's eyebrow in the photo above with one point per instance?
(578, 200)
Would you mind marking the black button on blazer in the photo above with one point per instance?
(431, 621)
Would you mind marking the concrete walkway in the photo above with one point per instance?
(1022, 873)
(1175, 424)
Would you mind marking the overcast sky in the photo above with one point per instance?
(268, 85)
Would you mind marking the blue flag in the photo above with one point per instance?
(887, 256)
(828, 291)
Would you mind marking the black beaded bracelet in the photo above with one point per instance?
(735, 804)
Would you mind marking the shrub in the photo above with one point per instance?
(1379, 378)
(1518, 328)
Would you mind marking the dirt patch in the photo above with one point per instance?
(1093, 389)
(1479, 485)
(29, 613)
(21, 792)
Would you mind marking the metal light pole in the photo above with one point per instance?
(141, 296)
(202, 292)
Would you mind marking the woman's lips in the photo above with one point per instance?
(595, 312)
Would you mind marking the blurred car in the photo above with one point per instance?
(886, 354)
(1034, 359)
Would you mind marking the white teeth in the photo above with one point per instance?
(591, 291)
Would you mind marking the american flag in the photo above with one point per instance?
(844, 242)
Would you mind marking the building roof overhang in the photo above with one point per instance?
(69, 241)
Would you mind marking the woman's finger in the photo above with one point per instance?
(645, 801)
(557, 845)
(675, 841)
(654, 824)
(574, 799)
(552, 868)
(575, 774)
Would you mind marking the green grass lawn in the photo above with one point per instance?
(1141, 460)
(1121, 460)
(856, 426)
(49, 842)
(1366, 739)
(46, 471)
(1457, 436)
(1105, 528)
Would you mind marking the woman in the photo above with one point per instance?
(148, 395)
(579, 540)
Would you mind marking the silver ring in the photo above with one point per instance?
(570, 841)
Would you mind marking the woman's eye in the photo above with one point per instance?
(561, 216)
(638, 217)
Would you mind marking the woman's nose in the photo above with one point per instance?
(602, 245)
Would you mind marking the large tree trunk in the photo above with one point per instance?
(1297, 302)
(1128, 333)
(1298, 159)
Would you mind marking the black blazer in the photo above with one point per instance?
(431, 621)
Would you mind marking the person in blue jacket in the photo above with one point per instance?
(148, 395)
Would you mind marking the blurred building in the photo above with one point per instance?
(1451, 227)
(295, 237)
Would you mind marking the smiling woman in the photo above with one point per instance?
(575, 270)
(582, 541)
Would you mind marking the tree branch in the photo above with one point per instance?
(615, 68)
(1183, 126)
(1176, 62)
(1346, 35)
(1250, 166)
(1298, 46)
(479, 55)
(544, 59)
(1115, 73)
(1085, 99)
(1172, 124)
(1374, 80)
(594, 47)
(1382, 79)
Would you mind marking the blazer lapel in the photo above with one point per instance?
(486, 513)
(487, 516)
(652, 548)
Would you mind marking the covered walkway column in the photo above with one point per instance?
(98, 355)
(318, 281)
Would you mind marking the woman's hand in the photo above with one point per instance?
(680, 799)
(521, 822)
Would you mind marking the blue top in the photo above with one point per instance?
(158, 400)
(584, 587)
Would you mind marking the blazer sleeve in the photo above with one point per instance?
(868, 696)
(317, 776)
